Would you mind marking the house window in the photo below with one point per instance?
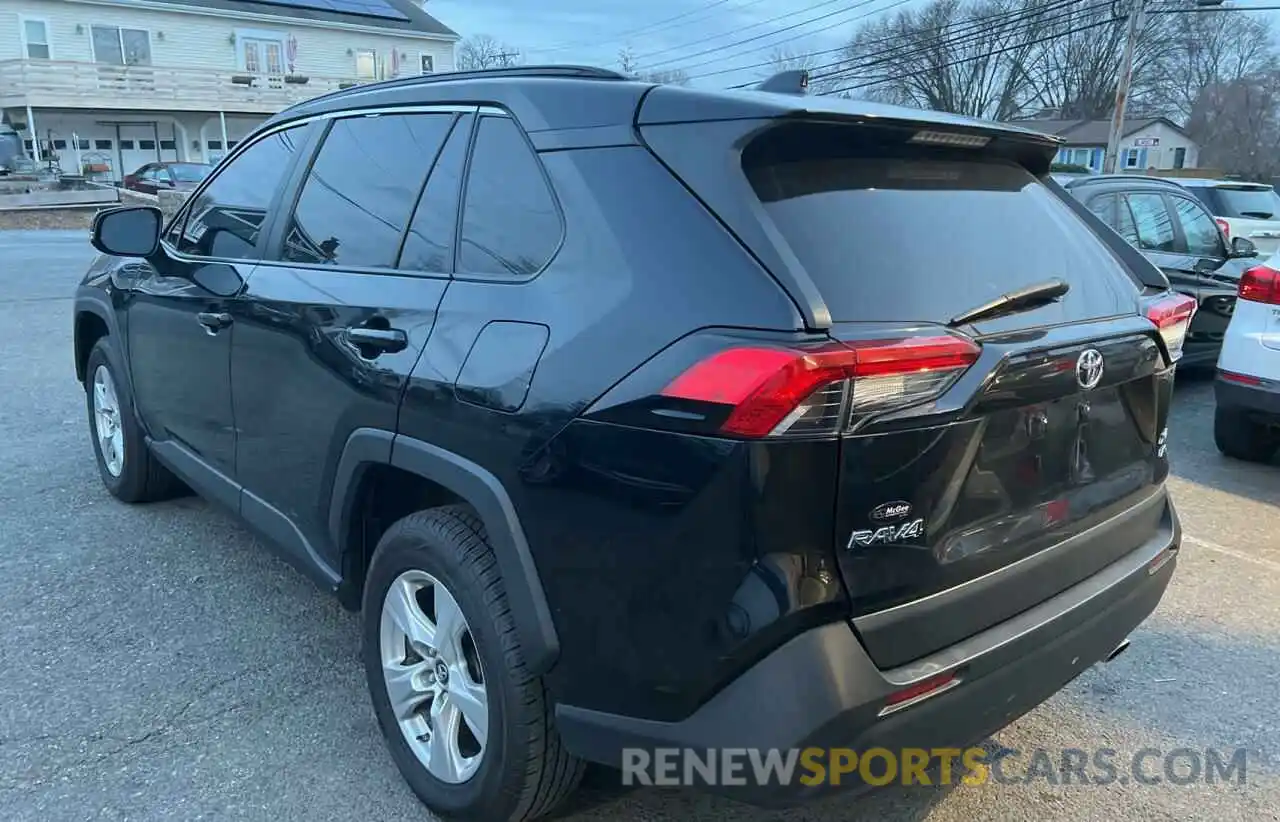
(428, 63)
(60, 145)
(35, 35)
(1130, 158)
(102, 145)
(127, 145)
(168, 145)
(366, 64)
(121, 47)
(83, 145)
(215, 145)
(147, 145)
(263, 56)
(28, 145)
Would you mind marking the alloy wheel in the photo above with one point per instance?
(433, 677)
(106, 418)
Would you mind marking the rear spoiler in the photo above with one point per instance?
(795, 81)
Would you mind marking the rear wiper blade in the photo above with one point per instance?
(1024, 299)
(1257, 215)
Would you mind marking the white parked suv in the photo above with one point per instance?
(1249, 210)
(1246, 423)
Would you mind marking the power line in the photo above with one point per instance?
(966, 28)
(1023, 26)
(739, 30)
(647, 28)
(987, 55)
(757, 37)
(777, 43)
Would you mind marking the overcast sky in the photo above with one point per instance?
(716, 42)
(593, 31)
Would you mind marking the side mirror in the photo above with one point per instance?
(127, 231)
(1243, 247)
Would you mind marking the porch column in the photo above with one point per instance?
(35, 137)
(222, 119)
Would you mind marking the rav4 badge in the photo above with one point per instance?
(886, 534)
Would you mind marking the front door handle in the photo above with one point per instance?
(214, 320)
(374, 341)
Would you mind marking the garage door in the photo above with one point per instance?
(137, 147)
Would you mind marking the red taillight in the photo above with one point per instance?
(919, 692)
(1260, 284)
(1225, 226)
(777, 391)
(1243, 379)
(1172, 316)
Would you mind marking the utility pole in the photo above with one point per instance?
(1136, 15)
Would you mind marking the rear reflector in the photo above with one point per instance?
(1172, 316)
(807, 391)
(919, 692)
(1260, 284)
(1243, 379)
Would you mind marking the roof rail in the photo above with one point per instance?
(1106, 178)
(795, 81)
(564, 71)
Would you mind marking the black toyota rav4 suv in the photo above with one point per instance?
(638, 416)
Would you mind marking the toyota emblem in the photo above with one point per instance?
(1089, 368)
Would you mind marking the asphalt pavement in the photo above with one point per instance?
(156, 663)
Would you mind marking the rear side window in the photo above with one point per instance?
(1204, 238)
(227, 216)
(510, 223)
(361, 190)
(919, 237)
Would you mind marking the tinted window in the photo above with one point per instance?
(189, 172)
(361, 190)
(1124, 222)
(428, 247)
(1154, 226)
(226, 217)
(510, 225)
(1254, 203)
(907, 238)
(1204, 238)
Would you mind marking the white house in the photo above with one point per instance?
(1151, 143)
(106, 86)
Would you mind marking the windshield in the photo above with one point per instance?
(1250, 202)
(189, 172)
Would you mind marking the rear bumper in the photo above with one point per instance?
(1263, 399)
(821, 690)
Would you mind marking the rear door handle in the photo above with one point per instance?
(389, 340)
(214, 320)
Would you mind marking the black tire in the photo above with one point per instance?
(141, 478)
(1239, 437)
(526, 771)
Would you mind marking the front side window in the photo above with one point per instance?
(226, 218)
(428, 245)
(1105, 207)
(121, 46)
(510, 223)
(361, 190)
(1204, 238)
(1151, 218)
(36, 35)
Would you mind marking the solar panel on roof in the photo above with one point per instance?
(362, 8)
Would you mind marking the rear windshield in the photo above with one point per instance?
(924, 238)
(1254, 203)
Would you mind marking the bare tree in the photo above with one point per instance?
(481, 51)
(1209, 50)
(627, 65)
(1237, 126)
(949, 55)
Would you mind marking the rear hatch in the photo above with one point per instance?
(987, 465)
(1249, 210)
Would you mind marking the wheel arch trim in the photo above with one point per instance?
(479, 488)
